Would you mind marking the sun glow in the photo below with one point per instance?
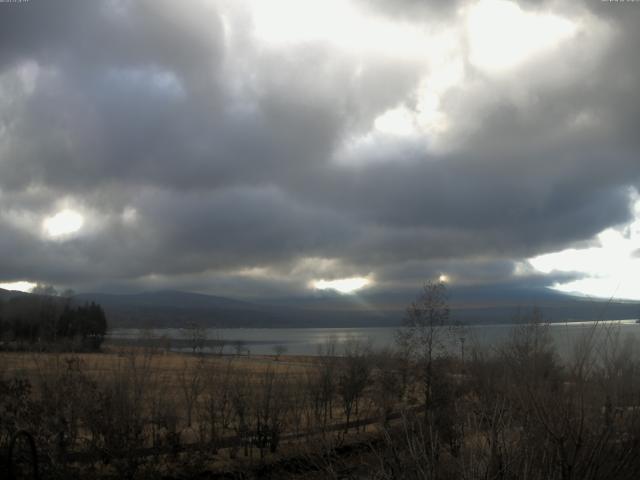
(18, 286)
(609, 269)
(63, 223)
(398, 121)
(334, 22)
(502, 35)
(342, 285)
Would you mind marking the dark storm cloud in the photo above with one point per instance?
(240, 228)
(112, 33)
(407, 276)
(197, 152)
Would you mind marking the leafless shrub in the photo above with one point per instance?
(354, 377)
(63, 389)
(279, 350)
(219, 341)
(164, 420)
(241, 401)
(115, 416)
(299, 405)
(191, 382)
(215, 412)
(387, 382)
(424, 332)
(270, 410)
(322, 384)
(196, 337)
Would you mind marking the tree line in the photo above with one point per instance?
(45, 321)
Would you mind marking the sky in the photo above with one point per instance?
(264, 149)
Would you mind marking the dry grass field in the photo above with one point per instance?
(34, 365)
(132, 404)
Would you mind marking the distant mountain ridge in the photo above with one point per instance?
(165, 298)
(483, 305)
(171, 308)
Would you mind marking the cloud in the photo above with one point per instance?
(203, 153)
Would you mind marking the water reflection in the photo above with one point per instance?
(306, 341)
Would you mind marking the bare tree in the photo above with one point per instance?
(323, 384)
(191, 380)
(239, 346)
(241, 401)
(424, 330)
(115, 417)
(216, 409)
(219, 341)
(354, 377)
(196, 336)
(271, 402)
(279, 350)
(387, 381)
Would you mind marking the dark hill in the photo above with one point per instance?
(468, 305)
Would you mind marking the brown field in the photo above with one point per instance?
(33, 365)
(154, 401)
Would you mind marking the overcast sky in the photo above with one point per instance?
(265, 148)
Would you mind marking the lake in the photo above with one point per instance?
(306, 341)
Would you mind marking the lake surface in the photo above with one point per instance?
(307, 341)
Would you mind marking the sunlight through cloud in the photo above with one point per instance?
(343, 285)
(18, 286)
(63, 223)
(502, 35)
(610, 269)
(337, 23)
(397, 121)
